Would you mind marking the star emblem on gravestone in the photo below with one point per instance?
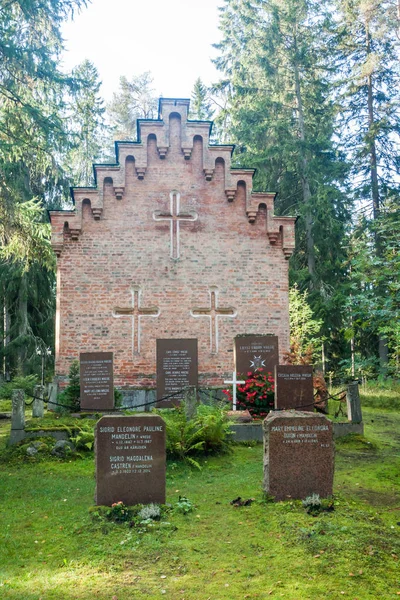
(257, 362)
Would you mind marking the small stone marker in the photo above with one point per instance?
(37, 404)
(130, 460)
(294, 387)
(177, 369)
(97, 383)
(256, 352)
(298, 455)
(17, 416)
(52, 391)
(354, 413)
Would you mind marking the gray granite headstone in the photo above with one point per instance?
(38, 404)
(53, 392)
(140, 400)
(17, 416)
(298, 455)
(354, 413)
(130, 460)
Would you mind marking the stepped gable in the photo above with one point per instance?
(132, 159)
(171, 243)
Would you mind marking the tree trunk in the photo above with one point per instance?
(23, 323)
(383, 348)
(6, 339)
(372, 153)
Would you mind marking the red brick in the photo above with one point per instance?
(108, 245)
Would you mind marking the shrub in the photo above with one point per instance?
(70, 397)
(256, 395)
(118, 397)
(18, 383)
(206, 432)
(84, 439)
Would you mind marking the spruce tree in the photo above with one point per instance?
(33, 140)
(200, 106)
(276, 59)
(370, 134)
(86, 114)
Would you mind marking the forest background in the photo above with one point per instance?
(309, 93)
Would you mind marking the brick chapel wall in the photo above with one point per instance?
(125, 256)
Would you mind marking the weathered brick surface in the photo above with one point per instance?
(113, 250)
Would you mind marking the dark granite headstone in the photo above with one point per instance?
(97, 381)
(256, 352)
(298, 455)
(177, 369)
(130, 460)
(294, 387)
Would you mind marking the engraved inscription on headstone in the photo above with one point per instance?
(97, 383)
(130, 460)
(298, 455)
(177, 369)
(294, 387)
(256, 352)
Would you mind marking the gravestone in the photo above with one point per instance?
(17, 416)
(52, 392)
(298, 455)
(294, 387)
(177, 369)
(38, 404)
(256, 352)
(130, 460)
(97, 386)
(354, 413)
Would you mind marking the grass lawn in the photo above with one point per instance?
(52, 549)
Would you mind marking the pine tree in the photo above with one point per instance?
(134, 100)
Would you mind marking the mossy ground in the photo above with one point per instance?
(51, 548)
